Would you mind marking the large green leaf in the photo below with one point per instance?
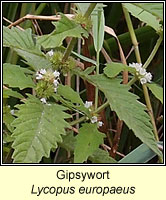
(24, 45)
(157, 90)
(68, 93)
(15, 77)
(99, 156)
(141, 154)
(8, 92)
(143, 15)
(113, 69)
(98, 22)
(38, 129)
(64, 28)
(127, 107)
(88, 141)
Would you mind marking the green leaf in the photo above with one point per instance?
(36, 61)
(98, 22)
(64, 28)
(113, 69)
(128, 109)
(8, 118)
(15, 77)
(84, 58)
(23, 43)
(8, 92)
(157, 91)
(141, 154)
(88, 141)
(38, 129)
(68, 93)
(99, 156)
(143, 15)
(155, 9)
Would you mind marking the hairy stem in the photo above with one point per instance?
(97, 72)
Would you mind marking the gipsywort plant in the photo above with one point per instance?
(44, 117)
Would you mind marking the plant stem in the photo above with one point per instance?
(73, 40)
(153, 53)
(132, 34)
(90, 9)
(97, 72)
(99, 109)
(78, 121)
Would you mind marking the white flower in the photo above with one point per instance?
(137, 66)
(12, 112)
(148, 77)
(143, 81)
(43, 100)
(50, 53)
(56, 83)
(94, 119)
(42, 71)
(55, 89)
(39, 76)
(100, 123)
(56, 74)
(88, 104)
(142, 71)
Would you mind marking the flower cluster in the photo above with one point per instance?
(143, 76)
(88, 104)
(48, 83)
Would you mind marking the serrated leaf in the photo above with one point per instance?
(128, 109)
(157, 91)
(23, 43)
(9, 92)
(64, 28)
(38, 129)
(68, 93)
(141, 154)
(88, 141)
(99, 156)
(8, 118)
(143, 15)
(113, 69)
(98, 22)
(15, 77)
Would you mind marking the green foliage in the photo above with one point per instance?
(64, 28)
(157, 91)
(144, 14)
(98, 22)
(23, 43)
(38, 129)
(88, 141)
(9, 92)
(15, 77)
(127, 107)
(113, 69)
(68, 93)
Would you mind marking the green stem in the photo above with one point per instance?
(99, 109)
(97, 72)
(132, 34)
(69, 49)
(40, 8)
(153, 53)
(90, 9)
(73, 40)
(77, 121)
(132, 81)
